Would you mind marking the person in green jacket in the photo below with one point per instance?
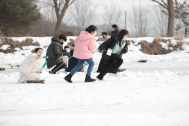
(55, 52)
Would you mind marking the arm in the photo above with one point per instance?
(92, 45)
(57, 51)
(125, 49)
(105, 44)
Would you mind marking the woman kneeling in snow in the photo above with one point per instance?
(30, 67)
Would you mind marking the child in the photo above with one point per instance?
(30, 67)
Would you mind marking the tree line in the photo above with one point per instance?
(24, 17)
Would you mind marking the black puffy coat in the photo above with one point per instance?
(110, 43)
(115, 33)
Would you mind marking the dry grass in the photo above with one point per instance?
(155, 48)
(100, 39)
(71, 42)
(179, 37)
(16, 44)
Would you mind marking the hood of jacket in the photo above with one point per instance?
(55, 39)
(84, 35)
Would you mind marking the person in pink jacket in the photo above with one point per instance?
(84, 46)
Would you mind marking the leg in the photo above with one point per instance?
(58, 67)
(119, 61)
(91, 65)
(106, 69)
(77, 67)
(114, 64)
(102, 65)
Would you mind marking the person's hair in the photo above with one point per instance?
(36, 49)
(91, 28)
(114, 26)
(104, 33)
(61, 36)
(121, 34)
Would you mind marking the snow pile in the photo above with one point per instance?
(5, 47)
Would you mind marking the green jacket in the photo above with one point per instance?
(54, 52)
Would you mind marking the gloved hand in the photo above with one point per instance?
(39, 71)
(37, 56)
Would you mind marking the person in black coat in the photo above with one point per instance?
(119, 47)
(115, 30)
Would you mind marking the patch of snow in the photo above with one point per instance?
(174, 42)
(5, 47)
(164, 45)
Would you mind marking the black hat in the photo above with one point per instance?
(61, 36)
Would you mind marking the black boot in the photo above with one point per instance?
(89, 79)
(68, 78)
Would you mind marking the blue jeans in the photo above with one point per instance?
(80, 64)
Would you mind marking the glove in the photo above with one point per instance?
(39, 71)
(37, 56)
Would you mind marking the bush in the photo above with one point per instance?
(16, 44)
(155, 48)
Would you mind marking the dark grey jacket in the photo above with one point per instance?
(54, 52)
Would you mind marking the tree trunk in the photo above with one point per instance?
(170, 31)
(58, 25)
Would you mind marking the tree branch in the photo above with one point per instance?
(56, 8)
(164, 6)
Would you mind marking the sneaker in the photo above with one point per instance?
(114, 75)
(21, 80)
(89, 79)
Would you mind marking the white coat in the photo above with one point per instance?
(29, 67)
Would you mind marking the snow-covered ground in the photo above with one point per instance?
(155, 93)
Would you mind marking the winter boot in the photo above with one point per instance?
(68, 78)
(89, 79)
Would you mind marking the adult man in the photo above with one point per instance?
(54, 53)
(115, 30)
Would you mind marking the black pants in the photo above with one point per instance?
(103, 63)
(113, 57)
(58, 67)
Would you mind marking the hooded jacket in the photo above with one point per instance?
(84, 46)
(54, 52)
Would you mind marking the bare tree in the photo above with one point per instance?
(113, 14)
(168, 6)
(60, 7)
(159, 21)
(83, 13)
(139, 21)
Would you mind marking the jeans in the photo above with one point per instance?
(80, 64)
(113, 57)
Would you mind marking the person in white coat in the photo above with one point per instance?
(30, 67)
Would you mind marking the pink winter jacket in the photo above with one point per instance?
(84, 46)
